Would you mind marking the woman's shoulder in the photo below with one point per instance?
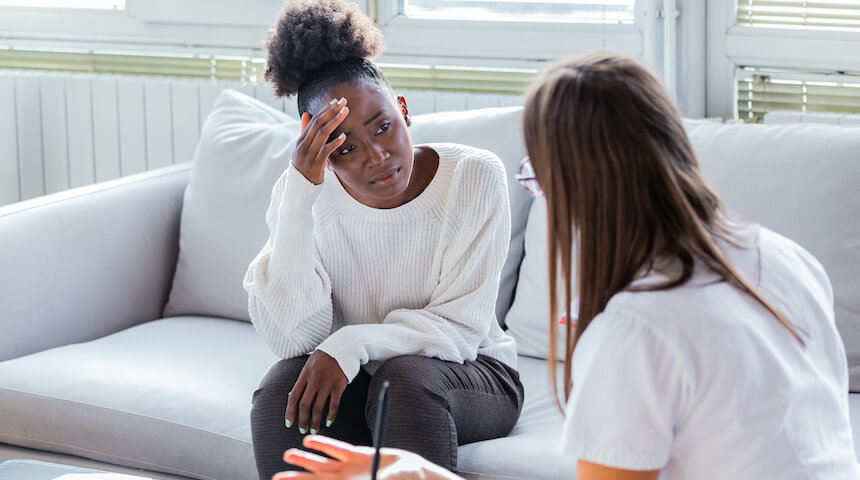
(470, 165)
(789, 255)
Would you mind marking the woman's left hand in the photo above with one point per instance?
(354, 463)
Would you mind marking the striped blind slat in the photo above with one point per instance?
(217, 68)
(843, 14)
(251, 69)
(761, 94)
(845, 91)
(442, 78)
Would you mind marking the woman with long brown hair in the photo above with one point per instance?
(704, 348)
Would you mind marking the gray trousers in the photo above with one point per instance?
(433, 406)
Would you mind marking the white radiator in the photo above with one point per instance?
(64, 130)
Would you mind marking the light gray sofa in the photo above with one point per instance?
(91, 373)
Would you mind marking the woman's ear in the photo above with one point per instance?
(404, 110)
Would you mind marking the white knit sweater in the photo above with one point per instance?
(365, 285)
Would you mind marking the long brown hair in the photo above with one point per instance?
(622, 186)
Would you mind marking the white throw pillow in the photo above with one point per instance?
(244, 147)
(498, 130)
(528, 319)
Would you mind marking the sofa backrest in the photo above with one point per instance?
(799, 181)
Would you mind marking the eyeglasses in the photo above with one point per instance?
(526, 177)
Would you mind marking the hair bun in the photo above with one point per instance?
(313, 33)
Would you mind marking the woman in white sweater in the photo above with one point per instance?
(383, 262)
(704, 349)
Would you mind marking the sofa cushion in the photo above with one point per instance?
(531, 451)
(799, 181)
(528, 318)
(498, 130)
(244, 147)
(170, 395)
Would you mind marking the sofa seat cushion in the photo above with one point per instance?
(531, 451)
(170, 395)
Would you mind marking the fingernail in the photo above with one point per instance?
(333, 101)
(341, 111)
(328, 423)
(302, 430)
(288, 423)
(313, 431)
(341, 136)
(342, 100)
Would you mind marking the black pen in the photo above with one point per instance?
(381, 410)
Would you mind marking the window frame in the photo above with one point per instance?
(224, 27)
(731, 46)
(228, 28)
(460, 40)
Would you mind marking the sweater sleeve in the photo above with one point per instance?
(462, 307)
(289, 292)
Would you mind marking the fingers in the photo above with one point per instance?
(309, 408)
(313, 147)
(320, 144)
(333, 399)
(317, 412)
(324, 122)
(332, 146)
(333, 405)
(335, 448)
(305, 406)
(311, 461)
(293, 401)
(294, 476)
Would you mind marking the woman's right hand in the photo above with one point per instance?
(313, 147)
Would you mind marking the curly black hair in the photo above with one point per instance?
(319, 44)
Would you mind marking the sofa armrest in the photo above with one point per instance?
(87, 262)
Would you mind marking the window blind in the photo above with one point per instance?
(251, 69)
(760, 93)
(197, 66)
(819, 14)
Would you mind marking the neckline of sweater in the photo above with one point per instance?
(430, 197)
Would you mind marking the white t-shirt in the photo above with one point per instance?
(702, 382)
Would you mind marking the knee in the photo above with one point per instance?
(276, 385)
(411, 381)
